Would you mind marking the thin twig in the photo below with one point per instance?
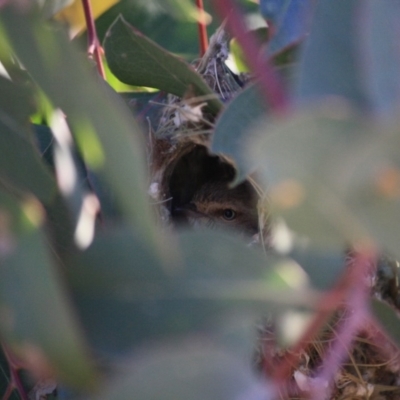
(94, 48)
(203, 38)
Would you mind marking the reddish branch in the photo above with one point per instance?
(270, 83)
(15, 381)
(356, 305)
(203, 38)
(94, 47)
(350, 291)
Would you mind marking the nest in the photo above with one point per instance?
(371, 370)
(180, 157)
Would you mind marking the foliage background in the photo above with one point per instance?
(183, 319)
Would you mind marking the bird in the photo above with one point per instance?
(217, 205)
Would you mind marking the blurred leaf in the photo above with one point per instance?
(380, 62)
(323, 267)
(136, 60)
(184, 10)
(330, 65)
(16, 100)
(234, 125)
(290, 20)
(119, 282)
(237, 52)
(309, 163)
(190, 370)
(51, 7)
(28, 286)
(389, 319)
(99, 120)
(20, 166)
(353, 58)
(332, 176)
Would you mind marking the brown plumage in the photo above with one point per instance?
(214, 204)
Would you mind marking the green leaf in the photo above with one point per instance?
(16, 100)
(378, 40)
(323, 267)
(310, 163)
(20, 164)
(191, 370)
(388, 317)
(109, 137)
(330, 64)
(234, 125)
(136, 60)
(40, 319)
(120, 278)
(333, 176)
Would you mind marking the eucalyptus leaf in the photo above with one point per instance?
(290, 20)
(119, 282)
(136, 60)
(107, 135)
(310, 163)
(190, 370)
(29, 284)
(330, 64)
(332, 175)
(16, 100)
(380, 66)
(234, 126)
(20, 164)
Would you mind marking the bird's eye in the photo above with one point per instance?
(229, 214)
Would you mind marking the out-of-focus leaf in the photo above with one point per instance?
(107, 134)
(333, 177)
(136, 60)
(237, 52)
(16, 100)
(51, 7)
(356, 58)
(290, 21)
(233, 127)
(28, 286)
(119, 282)
(20, 166)
(381, 61)
(191, 370)
(308, 163)
(330, 64)
(388, 318)
(323, 267)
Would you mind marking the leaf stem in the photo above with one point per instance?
(203, 38)
(271, 86)
(94, 48)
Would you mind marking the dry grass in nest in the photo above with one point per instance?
(370, 372)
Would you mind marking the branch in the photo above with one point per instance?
(94, 48)
(203, 38)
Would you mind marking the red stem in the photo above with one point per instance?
(203, 38)
(15, 382)
(94, 47)
(270, 83)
